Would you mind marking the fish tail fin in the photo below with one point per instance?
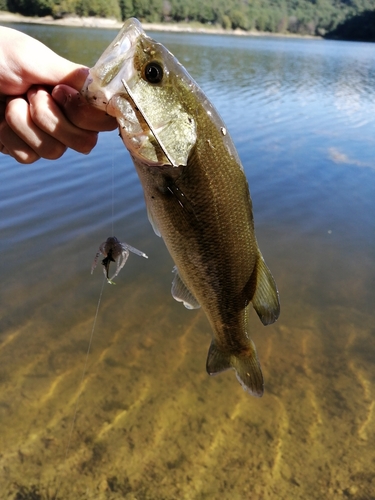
(266, 297)
(246, 366)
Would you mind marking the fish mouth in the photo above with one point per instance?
(108, 87)
(153, 123)
(115, 65)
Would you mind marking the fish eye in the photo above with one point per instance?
(154, 72)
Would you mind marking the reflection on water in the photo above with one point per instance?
(150, 423)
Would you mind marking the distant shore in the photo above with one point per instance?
(111, 23)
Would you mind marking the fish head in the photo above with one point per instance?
(138, 81)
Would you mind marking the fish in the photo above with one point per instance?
(114, 251)
(196, 193)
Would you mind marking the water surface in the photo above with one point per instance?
(150, 423)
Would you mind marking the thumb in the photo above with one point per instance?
(70, 74)
(53, 69)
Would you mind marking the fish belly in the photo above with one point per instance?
(216, 255)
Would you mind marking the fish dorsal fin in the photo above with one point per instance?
(181, 293)
(266, 297)
(153, 223)
(246, 366)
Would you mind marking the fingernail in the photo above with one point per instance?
(59, 96)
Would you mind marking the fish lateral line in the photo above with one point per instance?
(151, 127)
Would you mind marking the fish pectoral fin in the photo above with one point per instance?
(246, 366)
(153, 223)
(181, 293)
(266, 297)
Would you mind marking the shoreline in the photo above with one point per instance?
(111, 23)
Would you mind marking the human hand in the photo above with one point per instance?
(41, 111)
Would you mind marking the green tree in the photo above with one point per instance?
(126, 8)
(239, 19)
(31, 7)
(294, 16)
(63, 7)
(226, 22)
(359, 28)
(148, 10)
(100, 8)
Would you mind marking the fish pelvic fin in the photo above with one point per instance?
(153, 222)
(246, 366)
(266, 297)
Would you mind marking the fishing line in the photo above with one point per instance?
(84, 371)
(113, 193)
(85, 366)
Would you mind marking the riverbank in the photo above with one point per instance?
(111, 23)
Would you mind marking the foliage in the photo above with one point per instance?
(307, 17)
(358, 28)
(31, 7)
(100, 8)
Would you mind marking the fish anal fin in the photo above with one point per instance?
(217, 360)
(266, 297)
(181, 293)
(246, 366)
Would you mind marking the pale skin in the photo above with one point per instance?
(41, 111)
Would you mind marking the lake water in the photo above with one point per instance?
(150, 423)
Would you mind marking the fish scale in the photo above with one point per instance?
(196, 193)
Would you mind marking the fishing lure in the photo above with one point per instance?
(114, 251)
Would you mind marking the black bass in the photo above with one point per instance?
(196, 192)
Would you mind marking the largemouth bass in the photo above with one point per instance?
(196, 193)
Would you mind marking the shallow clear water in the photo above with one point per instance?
(150, 423)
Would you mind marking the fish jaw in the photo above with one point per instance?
(114, 65)
(154, 125)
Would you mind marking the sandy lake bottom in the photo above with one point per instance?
(151, 424)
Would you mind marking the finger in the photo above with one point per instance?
(10, 143)
(80, 112)
(3, 123)
(47, 115)
(18, 117)
(14, 146)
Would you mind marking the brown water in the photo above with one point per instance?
(146, 421)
